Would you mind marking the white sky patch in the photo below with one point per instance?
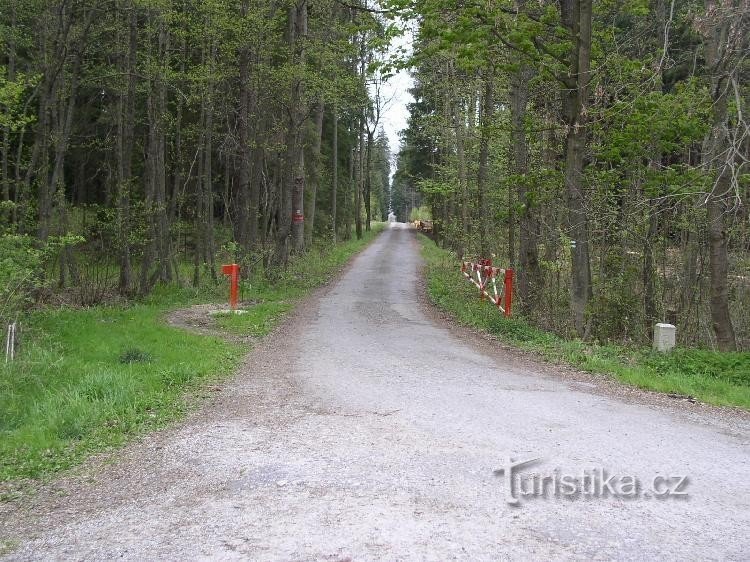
(396, 94)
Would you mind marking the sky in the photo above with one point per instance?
(396, 115)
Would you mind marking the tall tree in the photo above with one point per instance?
(726, 38)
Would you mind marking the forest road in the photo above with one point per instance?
(365, 429)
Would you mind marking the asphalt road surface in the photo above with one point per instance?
(366, 428)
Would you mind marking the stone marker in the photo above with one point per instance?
(664, 337)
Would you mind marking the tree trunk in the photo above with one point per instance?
(126, 126)
(293, 194)
(360, 179)
(459, 122)
(208, 190)
(720, 65)
(162, 218)
(529, 274)
(11, 74)
(368, 180)
(689, 279)
(576, 17)
(335, 170)
(41, 152)
(156, 187)
(315, 169)
(151, 165)
(488, 109)
(350, 195)
(649, 270)
(298, 203)
(243, 155)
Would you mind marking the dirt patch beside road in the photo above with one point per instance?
(201, 319)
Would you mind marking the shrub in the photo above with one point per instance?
(21, 273)
(134, 355)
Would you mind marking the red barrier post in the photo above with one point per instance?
(508, 291)
(233, 270)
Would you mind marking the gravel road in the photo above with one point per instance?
(366, 428)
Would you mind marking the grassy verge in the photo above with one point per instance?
(717, 378)
(90, 379)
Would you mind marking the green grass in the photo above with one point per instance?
(7, 546)
(90, 379)
(256, 320)
(717, 378)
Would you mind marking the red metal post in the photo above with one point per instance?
(508, 291)
(233, 270)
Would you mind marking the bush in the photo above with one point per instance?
(134, 355)
(422, 213)
(21, 273)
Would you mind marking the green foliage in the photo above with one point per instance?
(420, 214)
(638, 126)
(646, 123)
(714, 377)
(11, 101)
(22, 269)
(21, 273)
(616, 312)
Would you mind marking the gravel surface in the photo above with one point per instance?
(368, 428)
(201, 319)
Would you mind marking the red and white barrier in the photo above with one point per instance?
(485, 277)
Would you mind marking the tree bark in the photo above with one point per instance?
(162, 218)
(488, 109)
(348, 198)
(719, 60)
(360, 179)
(576, 17)
(243, 137)
(459, 122)
(529, 273)
(335, 170)
(208, 190)
(293, 194)
(159, 247)
(368, 180)
(652, 203)
(11, 74)
(315, 169)
(126, 127)
(649, 270)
